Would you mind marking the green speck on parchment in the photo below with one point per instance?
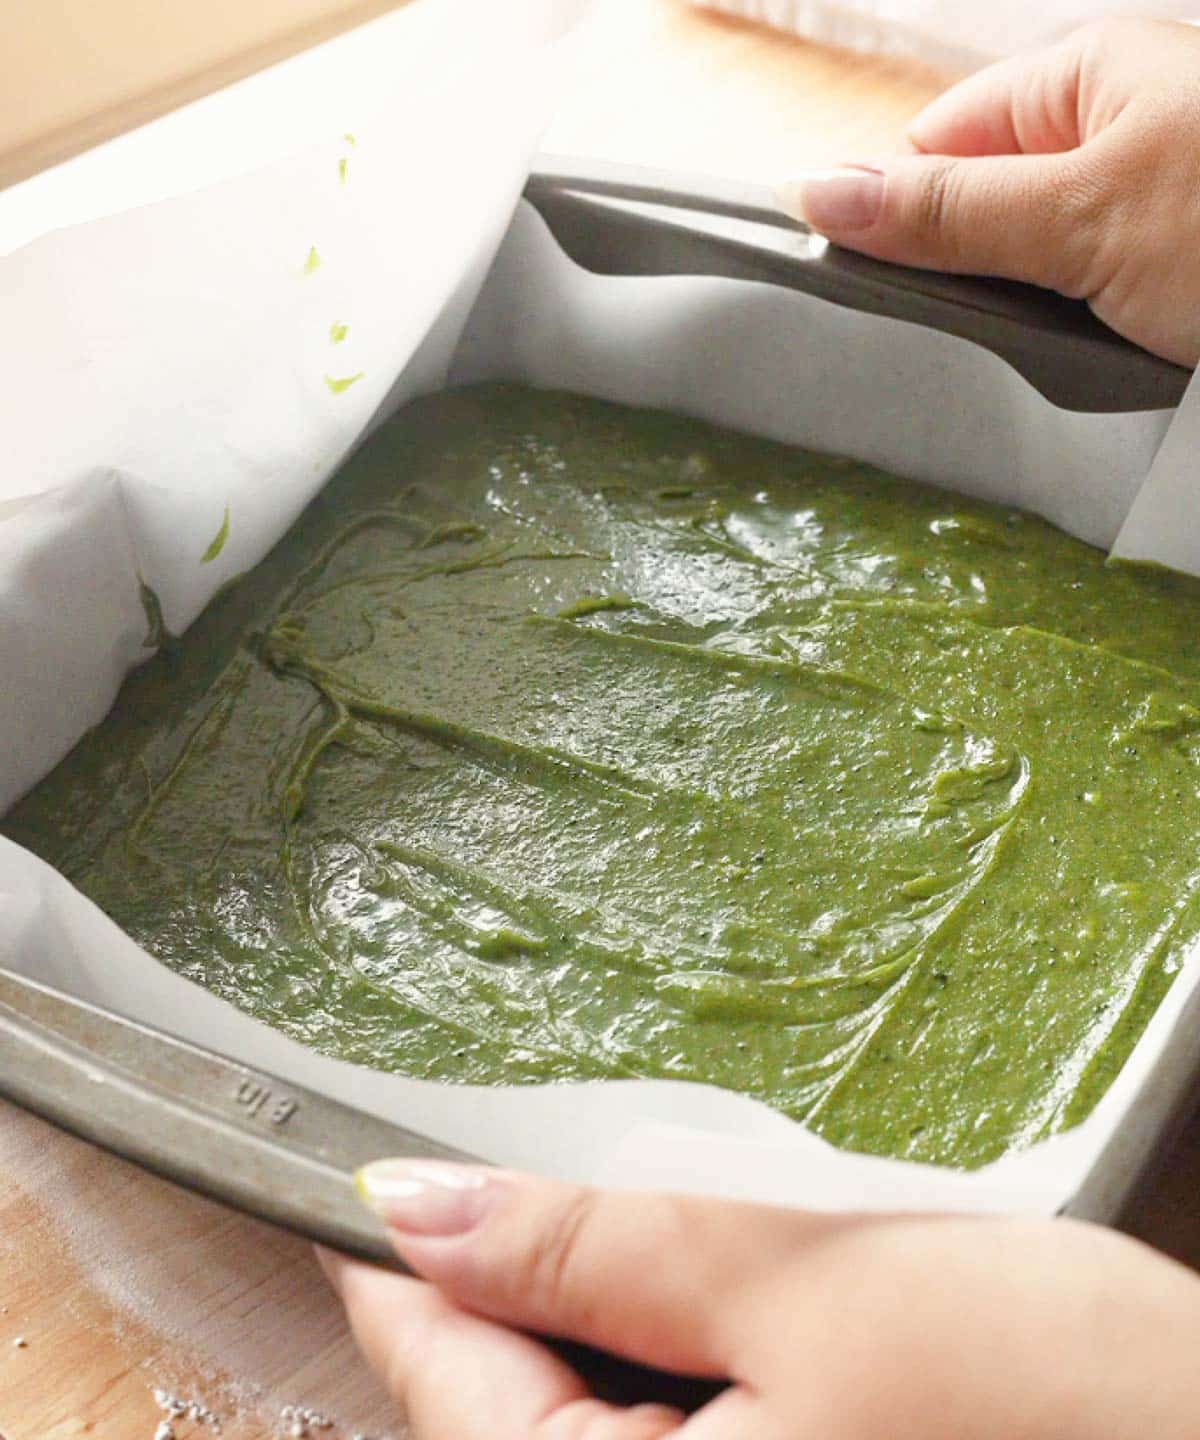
(344, 382)
(337, 333)
(313, 262)
(349, 138)
(342, 167)
(217, 543)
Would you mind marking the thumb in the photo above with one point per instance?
(1023, 217)
(664, 1280)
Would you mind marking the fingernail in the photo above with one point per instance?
(847, 198)
(426, 1197)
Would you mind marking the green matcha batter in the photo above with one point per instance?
(560, 740)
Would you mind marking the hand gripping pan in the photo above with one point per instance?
(622, 220)
(239, 1135)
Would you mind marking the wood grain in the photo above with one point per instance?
(76, 72)
(119, 1281)
(704, 92)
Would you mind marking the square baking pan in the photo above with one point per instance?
(224, 1128)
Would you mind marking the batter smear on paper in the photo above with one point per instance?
(560, 740)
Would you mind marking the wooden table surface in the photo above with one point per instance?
(119, 1283)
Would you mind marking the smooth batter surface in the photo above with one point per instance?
(563, 740)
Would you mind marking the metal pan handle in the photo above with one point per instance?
(239, 1135)
(270, 1148)
(623, 220)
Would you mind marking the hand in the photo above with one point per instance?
(1076, 168)
(828, 1327)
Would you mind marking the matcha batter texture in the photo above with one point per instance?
(560, 740)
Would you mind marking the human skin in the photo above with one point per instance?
(1076, 168)
(828, 1327)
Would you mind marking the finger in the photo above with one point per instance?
(1025, 217)
(1024, 105)
(1060, 97)
(460, 1377)
(739, 1412)
(660, 1279)
(448, 1366)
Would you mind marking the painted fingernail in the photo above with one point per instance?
(426, 1197)
(847, 198)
